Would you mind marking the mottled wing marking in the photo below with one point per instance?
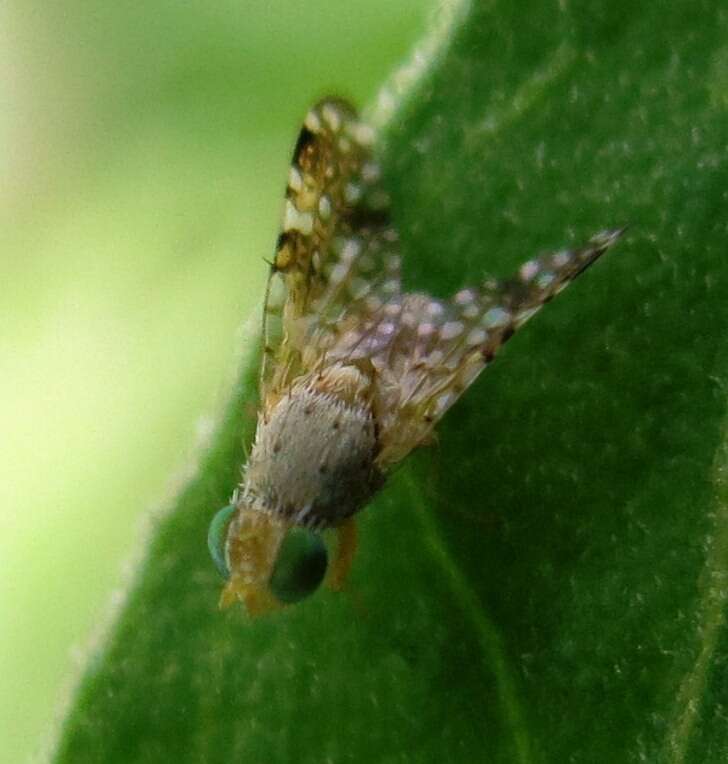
(334, 247)
(440, 347)
(335, 295)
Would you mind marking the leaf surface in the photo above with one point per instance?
(549, 582)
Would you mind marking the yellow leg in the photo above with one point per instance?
(345, 551)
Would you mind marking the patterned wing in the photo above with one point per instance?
(336, 248)
(436, 349)
(335, 296)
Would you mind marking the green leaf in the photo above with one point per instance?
(549, 583)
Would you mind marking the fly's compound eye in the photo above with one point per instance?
(217, 536)
(300, 566)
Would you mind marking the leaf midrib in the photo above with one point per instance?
(494, 656)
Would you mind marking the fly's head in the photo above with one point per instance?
(266, 561)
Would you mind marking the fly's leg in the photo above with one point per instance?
(345, 552)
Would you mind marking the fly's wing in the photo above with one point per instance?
(336, 251)
(428, 352)
(334, 294)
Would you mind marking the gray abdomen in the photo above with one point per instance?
(313, 460)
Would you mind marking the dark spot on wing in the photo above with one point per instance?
(283, 238)
(305, 139)
(365, 217)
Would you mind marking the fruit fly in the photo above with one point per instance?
(355, 372)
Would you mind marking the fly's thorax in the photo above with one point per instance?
(313, 461)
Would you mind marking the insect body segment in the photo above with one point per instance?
(356, 372)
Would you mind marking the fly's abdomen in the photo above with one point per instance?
(313, 459)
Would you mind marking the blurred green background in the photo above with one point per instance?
(145, 152)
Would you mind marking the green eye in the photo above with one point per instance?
(216, 536)
(300, 567)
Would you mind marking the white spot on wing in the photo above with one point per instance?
(363, 134)
(352, 193)
(331, 117)
(297, 221)
(425, 330)
(324, 207)
(476, 337)
(528, 270)
(435, 357)
(560, 259)
(350, 250)
(295, 181)
(451, 329)
(464, 296)
(373, 303)
(443, 401)
(393, 263)
(370, 172)
(339, 273)
(495, 318)
(312, 122)
(434, 309)
(387, 328)
(544, 280)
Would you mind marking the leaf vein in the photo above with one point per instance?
(485, 632)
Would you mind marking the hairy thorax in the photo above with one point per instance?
(313, 461)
